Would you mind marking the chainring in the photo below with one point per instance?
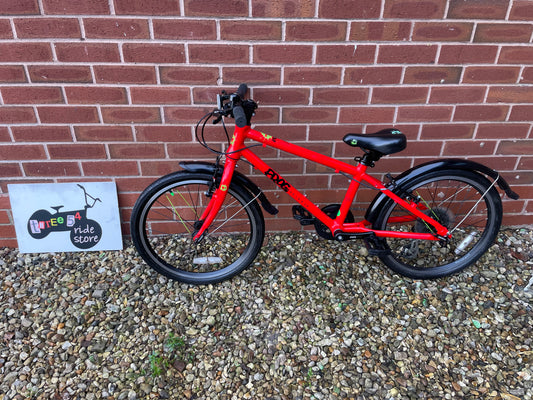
(331, 210)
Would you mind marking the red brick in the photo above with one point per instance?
(136, 150)
(103, 133)
(130, 115)
(343, 95)
(160, 95)
(250, 30)
(185, 29)
(315, 31)
(153, 53)
(447, 131)
(521, 113)
(282, 54)
(510, 94)
(185, 115)
(10, 170)
(345, 54)
(467, 54)
(76, 7)
(42, 134)
(110, 168)
(47, 28)
(60, 73)
(76, 151)
(22, 152)
(312, 75)
(5, 29)
(4, 134)
(284, 9)
(87, 52)
(478, 9)
(457, 94)
(522, 10)
(372, 75)
(309, 115)
(437, 75)
(208, 95)
(185, 151)
(527, 75)
(166, 133)
(218, 53)
(414, 9)
(124, 74)
(208, 8)
(95, 95)
(349, 9)
(116, 28)
(352, 115)
(399, 95)
(504, 130)
(488, 74)
(157, 168)
(12, 74)
(25, 52)
(132, 184)
(442, 31)
(19, 7)
(407, 54)
(516, 55)
(189, 75)
(148, 7)
(380, 31)
(251, 75)
(267, 115)
(67, 115)
(424, 113)
(526, 163)
(505, 32)
(51, 168)
(467, 148)
(17, 115)
(32, 95)
(480, 113)
(279, 96)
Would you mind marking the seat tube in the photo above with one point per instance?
(351, 192)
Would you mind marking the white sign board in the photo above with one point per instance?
(53, 217)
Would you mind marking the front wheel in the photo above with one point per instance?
(464, 202)
(164, 220)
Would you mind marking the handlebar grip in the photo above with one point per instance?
(240, 116)
(241, 91)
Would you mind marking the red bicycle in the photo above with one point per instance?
(204, 224)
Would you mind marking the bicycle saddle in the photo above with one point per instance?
(386, 141)
(57, 208)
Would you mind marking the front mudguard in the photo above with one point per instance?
(238, 178)
(406, 177)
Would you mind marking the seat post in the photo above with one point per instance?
(370, 158)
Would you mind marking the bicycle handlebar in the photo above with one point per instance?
(240, 116)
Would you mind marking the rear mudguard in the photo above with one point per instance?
(238, 179)
(406, 177)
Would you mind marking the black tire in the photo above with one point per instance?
(162, 227)
(449, 195)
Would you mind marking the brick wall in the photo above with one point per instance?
(108, 89)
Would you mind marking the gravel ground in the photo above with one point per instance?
(311, 319)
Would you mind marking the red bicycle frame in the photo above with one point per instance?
(237, 149)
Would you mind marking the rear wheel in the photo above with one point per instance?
(165, 218)
(464, 202)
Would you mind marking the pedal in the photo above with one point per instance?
(301, 214)
(375, 247)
